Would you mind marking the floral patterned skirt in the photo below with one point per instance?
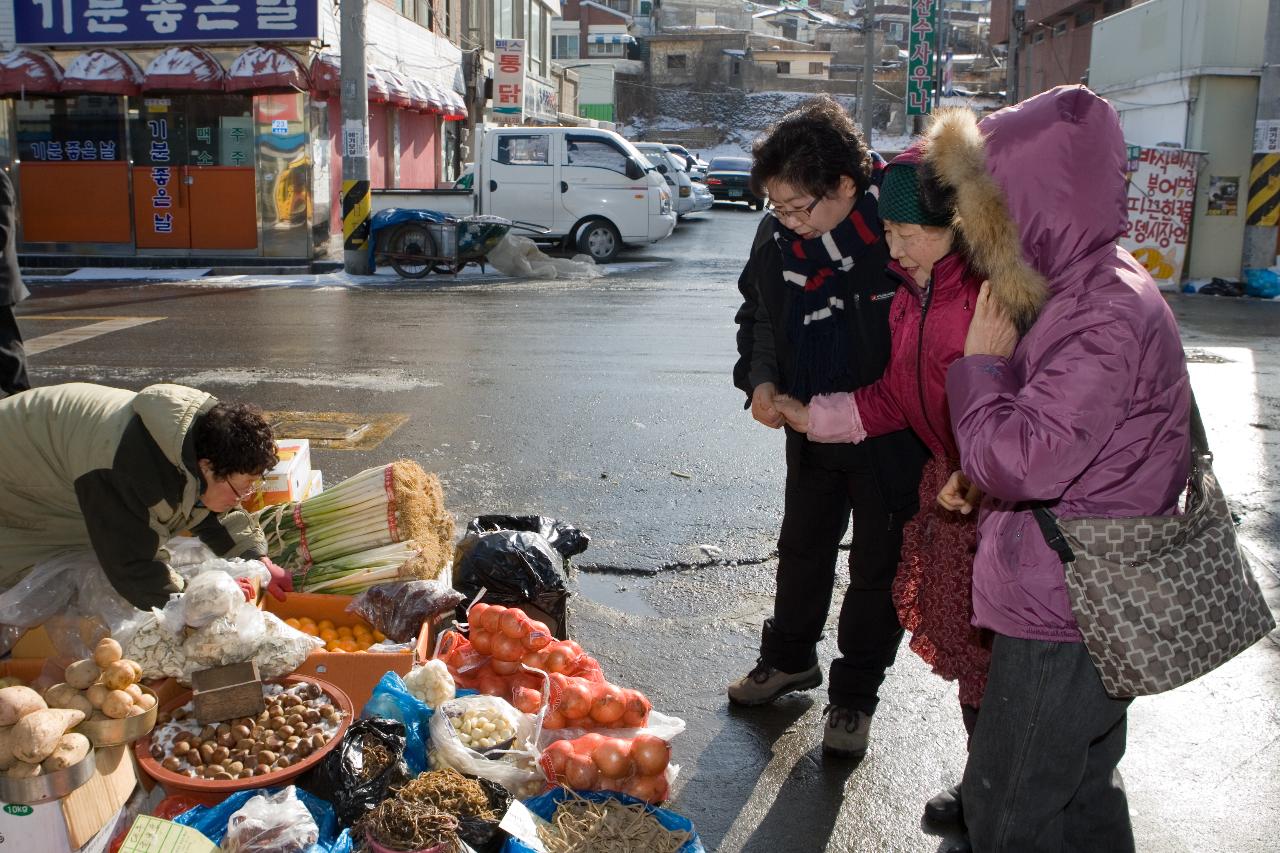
(933, 591)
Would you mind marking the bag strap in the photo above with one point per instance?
(1199, 438)
(1052, 534)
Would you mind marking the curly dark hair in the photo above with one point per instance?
(811, 148)
(236, 439)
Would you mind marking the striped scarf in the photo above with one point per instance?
(817, 295)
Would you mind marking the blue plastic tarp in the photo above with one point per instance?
(392, 216)
(545, 805)
(211, 821)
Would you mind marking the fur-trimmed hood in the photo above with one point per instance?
(1039, 186)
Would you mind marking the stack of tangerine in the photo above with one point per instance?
(343, 638)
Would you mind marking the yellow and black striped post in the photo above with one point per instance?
(1264, 191)
(356, 210)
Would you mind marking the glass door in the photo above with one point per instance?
(161, 209)
(220, 172)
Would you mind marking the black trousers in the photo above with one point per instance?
(13, 359)
(1042, 761)
(818, 504)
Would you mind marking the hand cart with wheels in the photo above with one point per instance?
(418, 242)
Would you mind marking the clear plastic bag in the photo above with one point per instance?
(227, 639)
(71, 596)
(283, 649)
(209, 596)
(398, 610)
(271, 823)
(512, 765)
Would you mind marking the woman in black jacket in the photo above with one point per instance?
(815, 320)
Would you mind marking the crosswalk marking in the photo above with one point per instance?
(66, 337)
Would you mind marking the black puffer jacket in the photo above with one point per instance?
(766, 354)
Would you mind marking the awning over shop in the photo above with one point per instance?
(397, 88)
(29, 72)
(611, 38)
(103, 71)
(378, 93)
(185, 68)
(455, 109)
(423, 97)
(267, 69)
(326, 75)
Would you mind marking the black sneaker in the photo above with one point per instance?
(763, 684)
(945, 807)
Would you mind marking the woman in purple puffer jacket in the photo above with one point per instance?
(1086, 412)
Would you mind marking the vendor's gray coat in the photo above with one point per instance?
(90, 467)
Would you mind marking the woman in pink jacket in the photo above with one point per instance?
(940, 260)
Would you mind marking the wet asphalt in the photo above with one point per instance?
(608, 403)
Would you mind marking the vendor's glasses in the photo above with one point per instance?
(800, 214)
(254, 487)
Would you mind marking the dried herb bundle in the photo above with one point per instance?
(375, 759)
(582, 826)
(398, 825)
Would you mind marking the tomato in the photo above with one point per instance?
(608, 706)
(575, 702)
(613, 757)
(481, 641)
(580, 772)
(651, 754)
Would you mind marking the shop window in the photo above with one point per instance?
(1060, 29)
(531, 150)
(677, 61)
(595, 152)
(207, 130)
(85, 128)
(784, 67)
(817, 69)
(607, 49)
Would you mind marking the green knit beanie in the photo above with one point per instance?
(900, 198)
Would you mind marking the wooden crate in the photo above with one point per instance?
(227, 692)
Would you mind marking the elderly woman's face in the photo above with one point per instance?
(809, 215)
(917, 247)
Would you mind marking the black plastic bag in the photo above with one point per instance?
(565, 538)
(484, 836)
(338, 778)
(517, 568)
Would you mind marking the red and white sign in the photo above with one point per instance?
(508, 78)
(1162, 197)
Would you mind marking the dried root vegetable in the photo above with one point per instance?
(449, 791)
(582, 826)
(400, 825)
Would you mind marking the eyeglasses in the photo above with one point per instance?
(800, 214)
(254, 487)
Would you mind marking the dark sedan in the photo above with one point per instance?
(729, 179)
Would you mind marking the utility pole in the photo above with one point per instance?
(356, 202)
(1017, 17)
(868, 68)
(1263, 211)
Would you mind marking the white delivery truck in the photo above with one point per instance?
(590, 189)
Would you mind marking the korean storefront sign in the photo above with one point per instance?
(51, 22)
(1162, 197)
(57, 150)
(540, 100)
(924, 28)
(162, 176)
(508, 78)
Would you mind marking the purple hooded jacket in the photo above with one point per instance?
(1091, 412)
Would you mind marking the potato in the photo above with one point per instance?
(23, 770)
(117, 676)
(134, 691)
(36, 735)
(117, 704)
(71, 749)
(107, 652)
(17, 702)
(10, 681)
(82, 674)
(66, 696)
(136, 667)
(97, 694)
(146, 702)
(136, 711)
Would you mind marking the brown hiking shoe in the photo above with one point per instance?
(846, 733)
(763, 684)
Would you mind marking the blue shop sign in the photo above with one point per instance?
(79, 22)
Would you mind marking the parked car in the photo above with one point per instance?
(729, 179)
(676, 173)
(697, 166)
(590, 189)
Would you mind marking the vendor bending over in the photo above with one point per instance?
(90, 467)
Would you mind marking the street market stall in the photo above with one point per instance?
(413, 695)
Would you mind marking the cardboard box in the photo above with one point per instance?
(314, 486)
(72, 822)
(289, 479)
